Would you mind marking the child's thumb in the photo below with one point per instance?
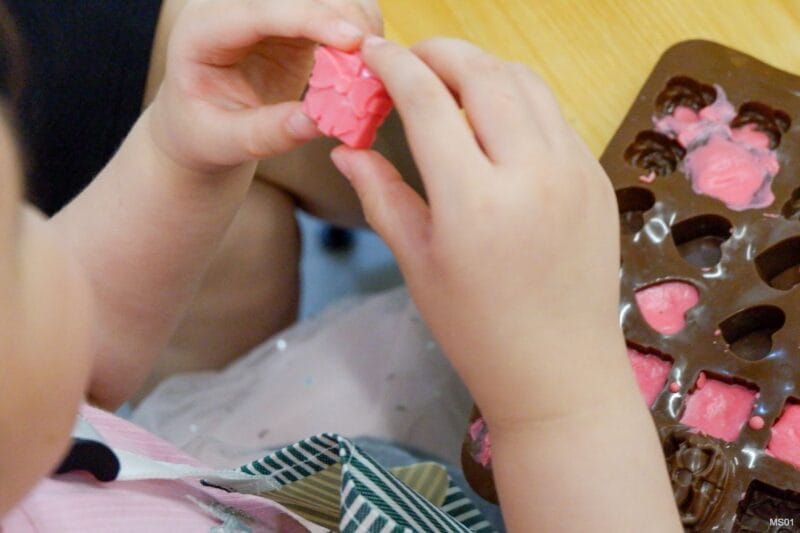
(272, 130)
(392, 208)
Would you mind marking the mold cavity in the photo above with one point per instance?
(719, 407)
(683, 91)
(773, 122)
(632, 203)
(651, 369)
(779, 266)
(654, 152)
(698, 239)
(784, 442)
(791, 209)
(664, 305)
(749, 332)
(763, 505)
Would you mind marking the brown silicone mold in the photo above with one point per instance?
(745, 265)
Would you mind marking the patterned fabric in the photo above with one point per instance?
(331, 482)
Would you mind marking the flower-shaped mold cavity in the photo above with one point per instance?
(633, 202)
(654, 152)
(773, 122)
(685, 92)
(651, 369)
(719, 407)
(767, 508)
(749, 332)
(791, 209)
(699, 471)
(664, 305)
(698, 239)
(779, 266)
(785, 440)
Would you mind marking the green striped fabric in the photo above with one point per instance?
(330, 481)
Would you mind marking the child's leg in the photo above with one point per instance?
(250, 291)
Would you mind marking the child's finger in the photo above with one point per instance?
(393, 209)
(221, 30)
(440, 139)
(492, 95)
(366, 14)
(261, 132)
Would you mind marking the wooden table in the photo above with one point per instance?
(596, 54)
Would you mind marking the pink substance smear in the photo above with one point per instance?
(719, 409)
(651, 373)
(664, 305)
(345, 99)
(734, 165)
(785, 441)
(481, 447)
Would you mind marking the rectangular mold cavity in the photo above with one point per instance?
(767, 509)
(719, 406)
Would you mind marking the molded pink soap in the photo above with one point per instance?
(719, 409)
(345, 98)
(785, 441)
(734, 165)
(664, 305)
(651, 373)
(481, 445)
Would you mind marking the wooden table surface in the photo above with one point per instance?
(596, 54)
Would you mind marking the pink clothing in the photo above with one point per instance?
(77, 503)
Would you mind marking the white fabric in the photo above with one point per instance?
(365, 367)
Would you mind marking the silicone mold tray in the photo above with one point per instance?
(727, 389)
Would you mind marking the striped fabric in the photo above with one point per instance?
(328, 480)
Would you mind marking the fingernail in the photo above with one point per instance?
(349, 31)
(301, 127)
(373, 40)
(340, 164)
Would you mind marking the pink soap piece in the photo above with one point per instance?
(345, 99)
(719, 409)
(734, 165)
(756, 422)
(648, 178)
(664, 305)
(733, 172)
(785, 441)
(481, 448)
(651, 373)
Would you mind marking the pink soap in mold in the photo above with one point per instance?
(651, 373)
(345, 98)
(785, 441)
(719, 409)
(664, 305)
(733, 165)
(480, 446)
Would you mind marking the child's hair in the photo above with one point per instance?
(11, 63)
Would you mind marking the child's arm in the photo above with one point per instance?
(513, 262)
(146, 228)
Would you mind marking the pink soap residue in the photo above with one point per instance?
(734, 165)
(651, 373)
(345, 98)
(719, 409)
(481, 448)
(664, 305)
(785, 441)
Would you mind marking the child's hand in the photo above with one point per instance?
(234, 68)
(514, 260)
